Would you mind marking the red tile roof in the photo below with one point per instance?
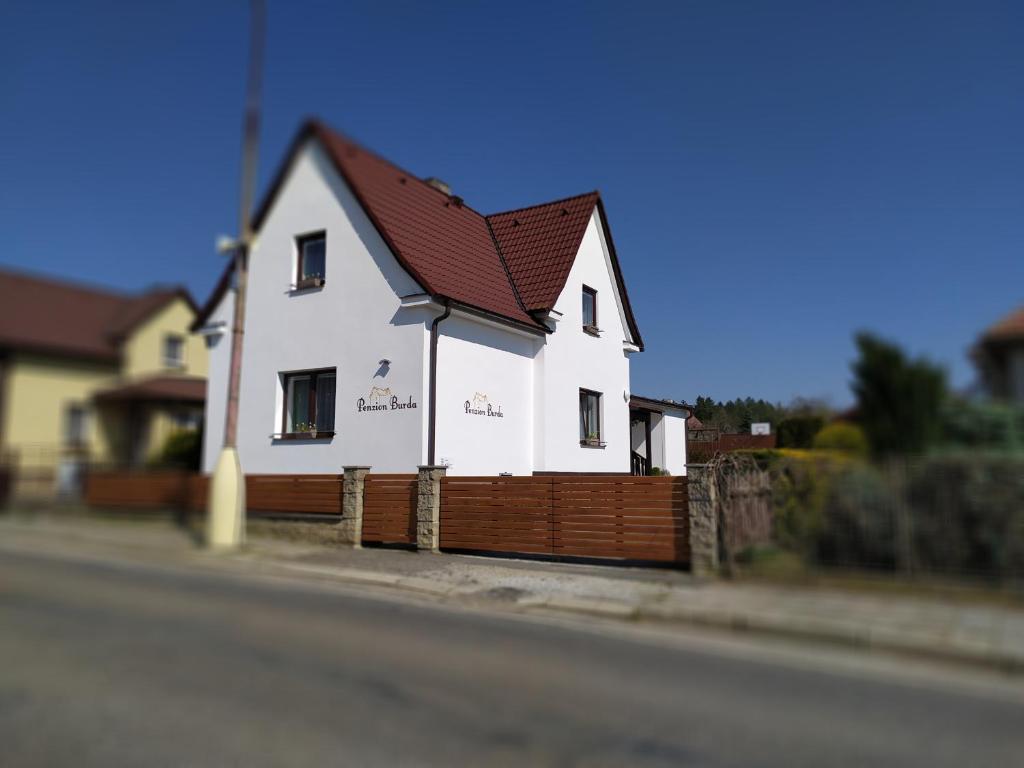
(540, 244)
(48, 315)
(454, 252)
(1009, 328)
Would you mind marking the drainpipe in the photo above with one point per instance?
(432, 423)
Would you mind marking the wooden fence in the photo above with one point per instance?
(594, 516)
(156, 489)
(287, 494)
(389, 509)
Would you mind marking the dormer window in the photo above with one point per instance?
(590, 310)
(174, 351)
(312, 260)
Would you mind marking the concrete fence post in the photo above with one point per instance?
(703, 506)
(428, 508)
(350, 529)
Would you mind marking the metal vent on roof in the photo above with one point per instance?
(440, 186)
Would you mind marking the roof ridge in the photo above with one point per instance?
(322, 126)
(541, 205)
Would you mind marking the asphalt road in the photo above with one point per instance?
(107, 664)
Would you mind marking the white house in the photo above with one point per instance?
(389, 324)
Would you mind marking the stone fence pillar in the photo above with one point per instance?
(350, 529)
(428, 508)
(703, 505)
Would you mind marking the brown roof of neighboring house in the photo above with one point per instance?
(454, 252)
(45, 314)
(176, 388)
(658, 404)
(1008, 328)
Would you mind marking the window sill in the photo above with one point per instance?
(307, 436)
(308, 284)
(592, 444)
(592, 330)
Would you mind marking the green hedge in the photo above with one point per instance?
(954, 514)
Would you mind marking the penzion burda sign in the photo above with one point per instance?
(480, 406)
(382, 399)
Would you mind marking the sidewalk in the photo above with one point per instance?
(990, 635)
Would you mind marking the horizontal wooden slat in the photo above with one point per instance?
(617, 516)
(389, 508)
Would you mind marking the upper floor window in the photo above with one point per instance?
(590, 418)
(75, 425)
(312, 260)
(309, 402)
(589, 310)
(174, 351)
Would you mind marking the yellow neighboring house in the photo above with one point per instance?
(92, 376)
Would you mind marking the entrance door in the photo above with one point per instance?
(640, 442)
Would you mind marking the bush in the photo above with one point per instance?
(950, 514)
(182, 450)
(843, 437)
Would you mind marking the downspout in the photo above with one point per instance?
(432, 423)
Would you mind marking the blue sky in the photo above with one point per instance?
(777, 175)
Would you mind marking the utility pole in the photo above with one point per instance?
(226, 517)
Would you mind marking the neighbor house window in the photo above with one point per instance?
(309, 402)
(590, 417)
(174, 351)
(75, 425)
(589, 310)
(312, 260)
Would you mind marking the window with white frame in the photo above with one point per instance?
(174, 351)
(75, 424)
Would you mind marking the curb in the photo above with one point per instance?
(766, 624)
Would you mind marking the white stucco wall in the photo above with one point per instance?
(674, 428)
(351, 324)
(657, 442)
(571, 359)
(491, 369)
(219, 356)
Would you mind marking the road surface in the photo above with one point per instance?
(106, 663)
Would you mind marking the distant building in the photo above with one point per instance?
(999, 357)
(88, 374)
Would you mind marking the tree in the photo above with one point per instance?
(899, 400)
(843, 437)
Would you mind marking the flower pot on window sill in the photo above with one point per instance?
(592, 443)
(593, 330)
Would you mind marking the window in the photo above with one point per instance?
(187, 421)
(589, 310)
(174, 351)
(309, 402)
(75, 424)
(590, 418)
(312, 261)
